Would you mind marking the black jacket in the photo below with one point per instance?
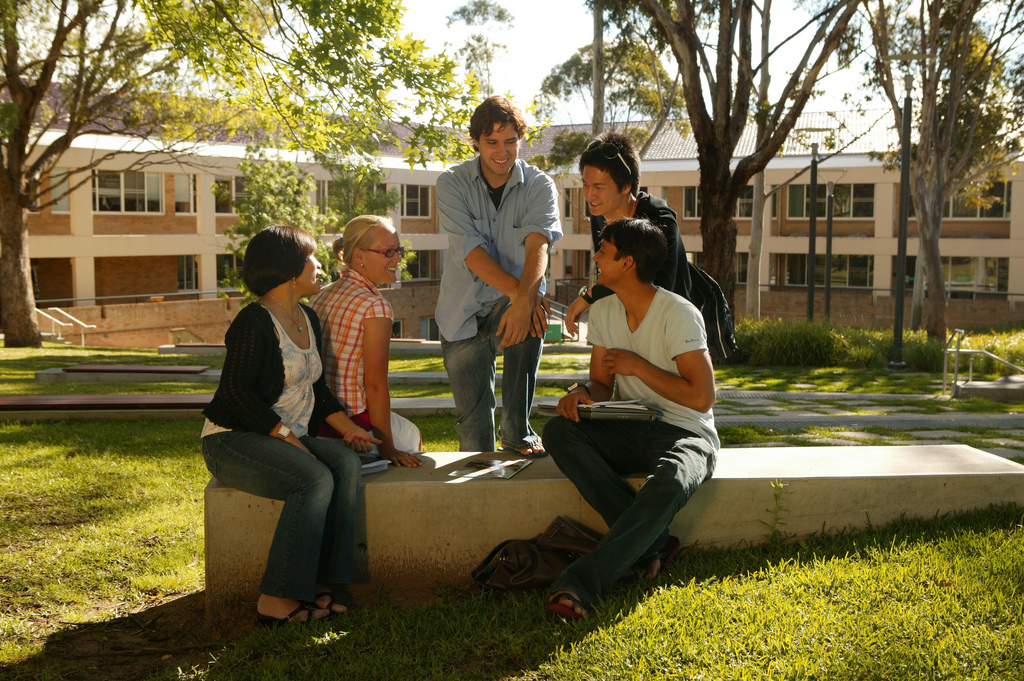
(253, 375)
(674, 275)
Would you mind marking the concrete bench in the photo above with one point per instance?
(48, 407)
(192, 349)
(418, 526)
(128, 373)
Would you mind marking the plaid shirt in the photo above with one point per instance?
(342, 307)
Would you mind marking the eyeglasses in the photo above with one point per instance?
(390, 253)
(609, 151)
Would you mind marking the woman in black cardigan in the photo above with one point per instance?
(257, 438)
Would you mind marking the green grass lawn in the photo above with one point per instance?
(99, 519)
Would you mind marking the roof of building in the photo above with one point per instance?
(845, 132)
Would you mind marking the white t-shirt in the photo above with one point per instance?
(672, 326)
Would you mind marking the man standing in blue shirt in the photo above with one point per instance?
(501, 217)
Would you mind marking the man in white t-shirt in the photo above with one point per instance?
(649, 345)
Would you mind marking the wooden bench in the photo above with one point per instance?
(415, 526)
(129, 373)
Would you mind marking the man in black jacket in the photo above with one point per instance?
(610, 168)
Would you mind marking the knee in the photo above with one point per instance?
(559, 432)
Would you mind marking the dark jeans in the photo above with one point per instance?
(470, 364)
(314, 542)
(595, 455)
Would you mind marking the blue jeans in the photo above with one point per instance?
(314, 542)
(595, 455)
(470, 364)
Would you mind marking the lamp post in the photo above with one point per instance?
(812, 232)
(829, 211)
(897, 362)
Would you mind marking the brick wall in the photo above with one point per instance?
(136, 275)
(412, 303)
(148, 325)
(55, 279)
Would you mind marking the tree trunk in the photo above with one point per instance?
(597, 126)
(754, 252)
(717, 223)
(929, 226)
(17, 301)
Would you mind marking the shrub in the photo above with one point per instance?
(785, 342)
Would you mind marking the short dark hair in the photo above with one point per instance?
(275, 255)
(495, 112)
(625, 171)
(642, 241)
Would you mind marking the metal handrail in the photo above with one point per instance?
(52, 322)
(76, 321)
(959, 335)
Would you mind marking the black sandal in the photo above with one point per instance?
(272, 622)
(330, 605)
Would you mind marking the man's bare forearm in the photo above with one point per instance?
(487, 268)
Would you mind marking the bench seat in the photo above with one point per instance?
(418, 526)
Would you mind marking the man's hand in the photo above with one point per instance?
(622, 362)
(516, 324)
(567, 405)
(573, 314)
(540, 318)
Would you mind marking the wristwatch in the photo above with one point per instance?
(283, 432)
(578, 385)
(585, 294)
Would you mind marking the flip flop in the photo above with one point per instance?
(666, 554)
(516, 452)
(330, 605)
(566, 612)
(272, 622)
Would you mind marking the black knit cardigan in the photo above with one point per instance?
(253, 375)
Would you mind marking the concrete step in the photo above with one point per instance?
(420, 526)
(1005, 389)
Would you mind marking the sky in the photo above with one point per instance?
(547, 32)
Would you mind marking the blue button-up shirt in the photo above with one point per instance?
(467, 215)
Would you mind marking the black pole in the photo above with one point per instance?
(901, 241)
(812, 232)
(829, 210)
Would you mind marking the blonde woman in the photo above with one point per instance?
(357, 322)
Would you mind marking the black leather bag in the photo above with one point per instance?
(535, 563)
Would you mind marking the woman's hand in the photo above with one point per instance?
(360, 441)
(400, 458)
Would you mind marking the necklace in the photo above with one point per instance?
(287, 312)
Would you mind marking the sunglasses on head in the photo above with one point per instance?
(609, 151)
(390, 253)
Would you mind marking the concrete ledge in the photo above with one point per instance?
(192, 349)
(425, 528)
(59, 375)
(433, 377)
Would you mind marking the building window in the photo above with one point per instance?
(999, 196)
(423, 266)
(222, 194)
(226, 264)
(128, 192)
(59, 190)
(742, 261)
(184, 193)
(967, 275)
(323, 193)
(691, 202)
(745, 204)
(848, 271)
(188, 273)
(396, 328)
(568, 203)
(428, 329)
(850, 200)
(416, 200)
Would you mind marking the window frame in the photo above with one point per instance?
(421, 201)
(193, 191)
(157, 180)
(852, 199)
(184, 262)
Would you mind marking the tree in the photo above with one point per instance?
(334, 74)
(358, 188)
(969, 125)
(479, 52)
(714, 54)
(71, 69)
(276, 193)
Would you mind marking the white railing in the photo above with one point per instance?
(55, 325)
(76, 321)
(959, 335)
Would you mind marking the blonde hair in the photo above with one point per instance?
(356, 235)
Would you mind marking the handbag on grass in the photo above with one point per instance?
(535, 563)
